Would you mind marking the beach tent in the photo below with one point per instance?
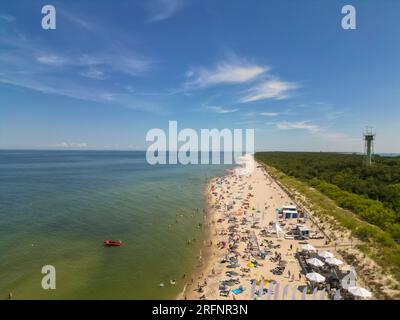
(334, 261)
(277, 229)
(315, 277)
(347, 268)
(308, 247)
(326, 254)
(315, 262)
(360, 292)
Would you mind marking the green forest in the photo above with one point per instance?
(372, 193)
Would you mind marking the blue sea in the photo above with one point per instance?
(57, 208)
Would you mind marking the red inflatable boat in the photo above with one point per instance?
(112, 243)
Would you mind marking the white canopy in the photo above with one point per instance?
(308, 247)
(277, 228)
(315, 262)
(348, 268)
(325, 254)
(315, 277)
(360, 292)
(334, 262)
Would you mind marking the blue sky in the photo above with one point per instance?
(113, 70)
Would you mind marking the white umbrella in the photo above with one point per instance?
(315, 262)
(360, 292)
(315, 277)
(334, 262)
(307, 247)
(325, 254)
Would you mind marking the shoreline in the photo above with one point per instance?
(206, 251)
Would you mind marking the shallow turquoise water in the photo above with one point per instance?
(57, 207)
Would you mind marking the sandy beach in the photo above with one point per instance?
(242, 217)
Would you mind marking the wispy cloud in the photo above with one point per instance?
(233, 71)
(269, 114)
(33, 65)
(67, 145)
(159, 10)
(258, 114)
(316, 130)
(94, 74)
(303, 125)
(51, 60)
(222, 110)
(75, 19)
(7, 17)
(269, 89)
(116, 61)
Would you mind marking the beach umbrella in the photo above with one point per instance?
(326, 254)
(360, 292)
(334, 262)
(307, 247)
(315, 277)
(315, 262)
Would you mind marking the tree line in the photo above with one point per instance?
(373, 192)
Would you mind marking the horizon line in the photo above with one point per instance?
(143, 150)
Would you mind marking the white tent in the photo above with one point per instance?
(348, 268)
(315, 262)
(308, 247)
(326, 254)
(315, 277)
(277, 229)
(360, 292)
(334, 262)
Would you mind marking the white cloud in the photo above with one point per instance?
(268, 114)
(6, 17)
(303, 125)
(94, 74)
(226, 72)
(317, 130)
(76, 20)
(124, 62)
(222, 110)
(51, 60)
(270, 89)
(70, 145)
(163, 9)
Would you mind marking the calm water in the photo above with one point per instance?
(57, 207)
